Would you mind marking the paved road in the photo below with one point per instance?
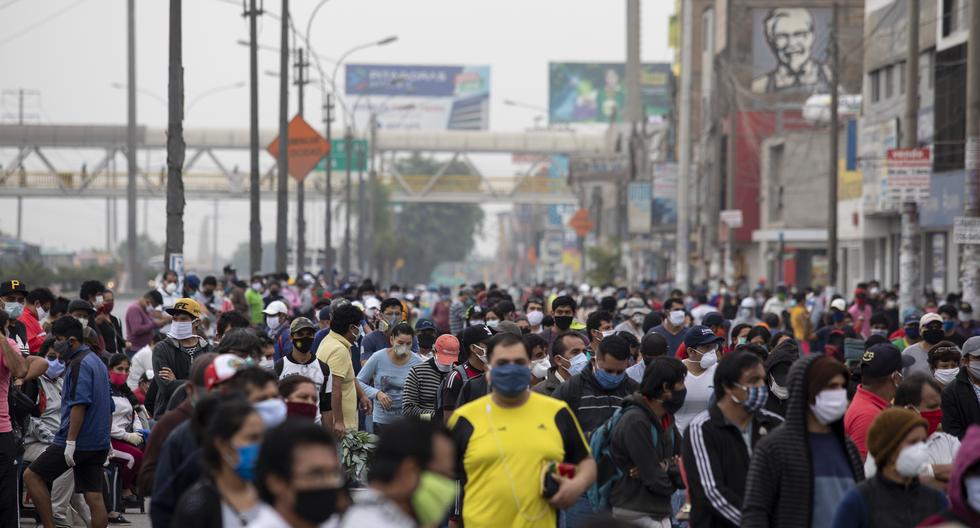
(136, 519)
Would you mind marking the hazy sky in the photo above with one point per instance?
(71, 51)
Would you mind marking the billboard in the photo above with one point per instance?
(664, 194)
(415, 97)
(595, 92)
(790, 50)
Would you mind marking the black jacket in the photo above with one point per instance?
(717, 462)
(783, 355)
(169, 354)
(884, 503)
(473, 388)
(591, 403)
(779, 487)
(200, 506)
(632, 446)
(960, 405)
(548, 385)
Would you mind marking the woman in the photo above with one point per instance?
(129, 427)
(759, 335)
(383, 376)
(300, 395)
(224, 496)
(491, 317)
(740, 335)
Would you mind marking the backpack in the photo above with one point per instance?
(445, 381)
(608, 474)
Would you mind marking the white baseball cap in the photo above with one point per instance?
(839, 304)
(276, 308)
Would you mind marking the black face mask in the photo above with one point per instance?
(676, 401)
(933, 336)
(316, 505)
(303, 345)
(563, 322)
(426, 340)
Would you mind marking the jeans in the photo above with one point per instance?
(579, 513)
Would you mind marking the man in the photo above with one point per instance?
(931, 330)
(840, 326)
(909, 334)
(968, 327)
(425, 334)
(799, 318)
(879, 324)
(672, 327)
(776, 304)
(323, 318)
(785, 487)
(39, 302)
(702, 309)
(172, 357)
(84, 313)
(301, 360)
(227, 322)
(524, 431)
(567, 359)
(597, 326)
(13, 293)
(168, 288)
(718, 326)
(299, 475)
(273, 290)
(277, 326)
(651, 346)
(534, 311)
(950, 322)
(335, 351)
(383, 376)
(961, 403)
(253, 296)
(719, 441)
(790, 34)
(140, 326)
(472, 363)
(82, 442)
(563, 309)
(236, 294)
(881, 372)
(424, 381)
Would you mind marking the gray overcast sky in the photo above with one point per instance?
(73, 50)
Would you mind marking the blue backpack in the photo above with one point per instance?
(608, 473)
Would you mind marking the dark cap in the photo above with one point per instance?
(424, 324)
(713, 319)
(79, 304)
(229, 269)
(700, 336)
(12, 286)
(883, 359)
(474, 335)
(323, 314)
(965, 307)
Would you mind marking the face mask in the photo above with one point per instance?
(949, 325)
(539, 367)
(117, 378)
(964, 316)
(972, 485)
(301, 410)
(315, 505)
(946, 376)
(257, 286)
(742, 340)
(55, 368)
(272, 411)
(426, 341)
(170, 288)
(510, 380)
(577, 364)
(933, 336)
(890, 304)
(272, 321)
(402, 350)
(247, 457)
(676, 317)
(830, 405)
(181, 330)
(709, 360)
(493, 323)
(432, 498)
(108, 306)
(357, 332)
(267, 363)
(911, 459)
(83, 320)
(778, 390)
(42, 314)
(879, 332)
(756, 397)
(482, 354)
(676, 401)
(912, 333)
(838, 317)
(974, 367)
(608, 381)
(13, 309)
(303, 345)
(934, 417)
(443, 368)
(393, 320)
(563, 322)
(607, 333)
(535, 317)
(637, 319)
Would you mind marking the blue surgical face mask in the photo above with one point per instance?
(949, 325)
(838, 316)
(55, 368)
(577, 363)
(912, 332)
(608, 381)
(247, 457)
(510, 380)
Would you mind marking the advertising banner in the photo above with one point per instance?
(909, 170)
(415, 97)
(790, 51)
(664, 194)
(596, 93)
(639, 207)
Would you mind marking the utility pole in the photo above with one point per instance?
(301, 184)
(328, 234)
(131, 234)
(348, 144)
(255, 221)
(282, 191)
(910, 257)
(175, 140)
(368, 269)
(362, 214)
(970, 272)
(834, 134)
(681, 275)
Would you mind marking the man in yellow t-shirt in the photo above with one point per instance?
(506, 439)
(334, 350)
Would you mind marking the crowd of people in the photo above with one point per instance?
(291, 402)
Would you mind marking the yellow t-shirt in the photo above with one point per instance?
(505, 451)
(334, 350)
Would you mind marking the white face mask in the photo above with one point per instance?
(257, 286)
(972, 485)
(676, 317)
(830, 405)
(181, 330)
(267, 363)
(535, 317)
(607, 333)
(778, 390)
(493, 323)
(42, 314)
(709, 360)
(911, 459)
(637, 319)
(481, 354)
(965, 316)
(946, 376)
(539, 367)
(272, 321)
(443, 368)
(82, 320)
(171, 287)
(402, 350)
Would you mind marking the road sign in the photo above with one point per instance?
(966, 230)
(306, 147)
(909, 170)
(581, 222)
(732, 218)
(338, 156)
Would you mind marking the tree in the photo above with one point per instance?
(605, 263)
(149, 255)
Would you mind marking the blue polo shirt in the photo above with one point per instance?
(92, 390)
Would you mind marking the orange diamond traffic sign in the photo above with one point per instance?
(581, 222)
(305, 149)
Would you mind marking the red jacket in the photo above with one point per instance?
(35, 332)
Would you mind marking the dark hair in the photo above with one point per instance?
(672, 301)
(758, 350)
(530, 300)
(59, 307)
(118, 358)
(615, 346)
(759, 331)
(504, 307)
(661, 371)
(535, 340)
(41, 295)
(402, 328)
(563, 300)
(558, 344)
(124, 389)
(631, 339)
(250, 377)
(219, 418)
(607, 303)
(737, 329)
(403, 439)
(879, 318)
(947, 309)
(90, 288)
(278, 446)
(506, 339)
(67, 327)
(155, 297)
(730, 370)
(344, 317)
(230, 319)
(776, 336)
(389, 302)
(944, 351)
(651, 320)
(241, 339)
(800, 297)
(772, 320)
(288, 385)
(909, 391)
(595, 319)
(210, 280)
(653, 345)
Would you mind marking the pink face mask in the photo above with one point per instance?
(118, 378)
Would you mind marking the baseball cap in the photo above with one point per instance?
(323, 314)
(187, 306)
(79, 304)
(635, 306)
(713, 319)
(424, 324)
(912, 319)
(276, 308)
(930, 318)
(965, 307)
(300, 323)
(508, 327)
(700, 336)
(839, 304)
(474, 335)
(229, 269)
(222, 369)
(192, 281)
(446, 349)
(12, 286)
(972, 347)
(882, 359)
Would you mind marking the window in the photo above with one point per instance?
(901, 77)
(875, 80)
(889, 81)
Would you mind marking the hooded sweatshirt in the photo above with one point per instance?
(784, 354)
(960, 510)
(779, 489)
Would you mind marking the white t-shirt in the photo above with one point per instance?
(142, 361)
(699, 391)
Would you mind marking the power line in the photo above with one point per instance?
(39, 23)
(8, 4)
